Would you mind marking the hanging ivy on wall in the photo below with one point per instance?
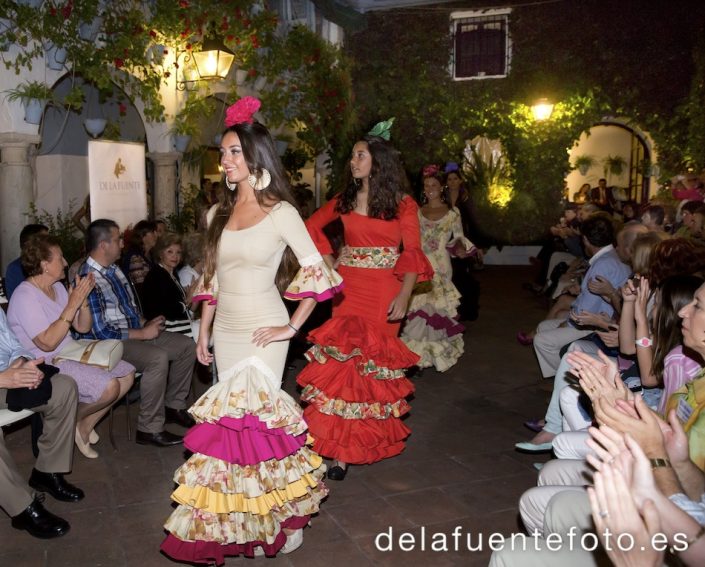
(590, 72)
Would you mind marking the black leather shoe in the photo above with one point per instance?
(337, 473)
(179, 416)
(56, 485)
(39, 522)
(161, 439)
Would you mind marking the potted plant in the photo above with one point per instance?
(187, 122)
(583, 163)
(614, 165)
(34, 96)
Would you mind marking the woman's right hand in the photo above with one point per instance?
(202, 353)
(642, 300)
(629, 292)
(82, 287)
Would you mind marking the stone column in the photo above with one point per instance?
(166, 178)
(16, 191)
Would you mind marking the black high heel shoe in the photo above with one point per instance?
(337, 472)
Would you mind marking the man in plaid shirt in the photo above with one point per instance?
(165, 359)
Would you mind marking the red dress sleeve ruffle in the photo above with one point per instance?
(318, 221)
(412, 259)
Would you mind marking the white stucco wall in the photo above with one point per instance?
(603, 141)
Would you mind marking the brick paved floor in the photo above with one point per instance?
(459, 468)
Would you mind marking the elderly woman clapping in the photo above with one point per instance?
(41, 314)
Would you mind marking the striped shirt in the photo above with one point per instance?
(112, 302)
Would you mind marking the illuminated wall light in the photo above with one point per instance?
(542, 110)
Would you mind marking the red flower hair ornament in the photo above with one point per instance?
(430, 170)
(242, 111)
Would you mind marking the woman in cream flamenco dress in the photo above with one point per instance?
(252, 483)
(432, 329)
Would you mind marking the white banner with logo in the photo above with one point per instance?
(117, 181)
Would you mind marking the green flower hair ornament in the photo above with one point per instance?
(382, 129)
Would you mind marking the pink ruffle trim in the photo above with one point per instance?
(212, 551)
(204, 297)
(438, 322)
(323, 296)
(239, 442)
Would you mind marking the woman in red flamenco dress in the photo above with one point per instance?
(354, 384)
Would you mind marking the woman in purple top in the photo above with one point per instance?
(42, 312)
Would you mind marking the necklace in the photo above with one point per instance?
(48, 292)
(176, 281)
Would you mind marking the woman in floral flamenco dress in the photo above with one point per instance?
(252, 482)
(354, 384)
(432, 329)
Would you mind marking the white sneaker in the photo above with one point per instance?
(293, 542)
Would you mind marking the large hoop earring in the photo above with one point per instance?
(262, 183)
(229, 186)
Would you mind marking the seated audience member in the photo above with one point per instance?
(688, 186)
(698, 222)
(192, 267)
(163, 294)
(553, 334)
(630, 211)
(602, 196)
(687, 214)
(161, 228)
(14, 275)
(19, 371)
(582, 195)
(41, 314)
(653, 217)
(136, 258)
(165, 360)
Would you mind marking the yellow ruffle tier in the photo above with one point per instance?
(192, 524)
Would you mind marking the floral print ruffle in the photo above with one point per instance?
(316, 280)
(249, 393)
(364, 367)
(206, 293)
(353, 410)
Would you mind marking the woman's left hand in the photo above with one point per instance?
(397, 308)
(265, 335)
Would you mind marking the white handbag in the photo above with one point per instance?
(101, 353)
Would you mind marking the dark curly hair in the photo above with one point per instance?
(675, 257)
(388, 182)
(259, 153)
(37, 249)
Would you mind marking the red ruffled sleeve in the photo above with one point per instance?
(318, 221)
(412, 259)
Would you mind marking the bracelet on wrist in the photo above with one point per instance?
(657, 463)
(67, 321)
(644, 342)
(292, 328)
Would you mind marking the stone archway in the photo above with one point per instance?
(616, 137)
(64, 145)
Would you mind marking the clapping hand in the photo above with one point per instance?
(81, 289)
(599, 378)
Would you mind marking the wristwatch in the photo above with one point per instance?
(644, 342)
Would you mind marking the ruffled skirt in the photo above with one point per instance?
(432, 329)
(250, 476)
(356, 390)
